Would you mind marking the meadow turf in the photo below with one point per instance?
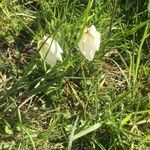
(76, 104)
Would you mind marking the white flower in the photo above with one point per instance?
(50, 50)
(89, 42)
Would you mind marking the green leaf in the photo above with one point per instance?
(125, 120)
(86, 131)
(8, 130)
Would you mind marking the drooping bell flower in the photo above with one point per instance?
(50, 50)
(90, 42)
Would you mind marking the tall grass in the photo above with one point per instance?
(76, 104)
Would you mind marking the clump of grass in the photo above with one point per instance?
(76, 104)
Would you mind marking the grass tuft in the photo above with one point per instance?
(76, 104)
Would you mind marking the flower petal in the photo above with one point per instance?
(58, 51)
(50, 50)
(89, 42)
(51, 58)
(97, 41)
(86, 46)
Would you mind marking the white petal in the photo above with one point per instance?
(92, 31)
(51, 58)
(51, 50)
(96, 35)
(97, 41)
(47, 54)
(58, 48)
(89, 43)
(58, 51)
(47, 40)
(43, 49)
(86, 46)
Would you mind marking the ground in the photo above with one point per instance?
(76, 104)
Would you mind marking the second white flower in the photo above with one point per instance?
(89, 42)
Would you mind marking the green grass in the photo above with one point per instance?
(76, 104)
